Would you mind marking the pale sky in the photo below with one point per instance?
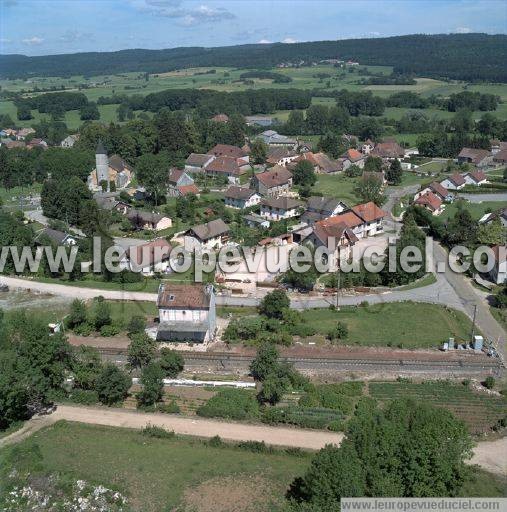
(39, 27)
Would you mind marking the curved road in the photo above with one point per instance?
(489, 454)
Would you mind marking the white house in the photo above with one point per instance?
(187, 313)
(322, 207)
(454, 182)
(69, 141)
(196, 162)
(498, 273)
(279, 208)
(241, 197)
(210, 236)
(476, 178)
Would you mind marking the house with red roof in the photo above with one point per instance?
(363, 219)
(435, 188)
(336, 236)
(431, 202)
(353, 157)
(180, 184)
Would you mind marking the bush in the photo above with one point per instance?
(157, 432)
(84, 329)
(84, 396)
(255, 446)
(170, 408)
(234, 404)
(215, 442)
(339, 332)
(171, 362)
(137, 324)
(109, 330)
(489, 382)
(112, 385)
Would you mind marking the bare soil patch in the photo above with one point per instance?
(229, 494)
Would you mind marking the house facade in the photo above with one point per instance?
(187, 313)
(273, 183)
(431, 202)
(454, 182)
(148, 220)
(197, 162)
(279, 208)
(180, 184)
(206, 237)
(241, 197)
(498, 273)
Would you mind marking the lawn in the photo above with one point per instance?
(477, 210)
(399, 324)
(158, 474)
(337, 186)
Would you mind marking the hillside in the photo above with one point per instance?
(472, 57)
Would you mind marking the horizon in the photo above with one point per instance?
(168, 24)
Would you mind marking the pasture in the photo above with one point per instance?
(226, 79)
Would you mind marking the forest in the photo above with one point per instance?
(471, 57)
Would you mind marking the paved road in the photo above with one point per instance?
(489, 455)
(479, 198)
(469, 297)
(38, 216)
(438, 293)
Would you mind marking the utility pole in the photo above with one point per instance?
(338, 279)
(473, 323)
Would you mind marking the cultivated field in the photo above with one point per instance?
(479, 411)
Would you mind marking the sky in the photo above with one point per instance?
(41, 27)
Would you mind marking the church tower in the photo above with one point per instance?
(102, 165)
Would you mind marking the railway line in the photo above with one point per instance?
(225, 362)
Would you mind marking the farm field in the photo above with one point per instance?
(157, 474)
(402, 324)
(480, 412)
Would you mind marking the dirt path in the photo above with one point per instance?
(30, 427)
(280, 436)
(490, 455)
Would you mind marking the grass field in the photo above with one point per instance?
(177, 474)
(476, 209)
(400, 324)
(159, 474)
(337, 186)
(480, 412)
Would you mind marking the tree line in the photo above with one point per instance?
(472, 57)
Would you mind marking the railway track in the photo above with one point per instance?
(225, 360)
